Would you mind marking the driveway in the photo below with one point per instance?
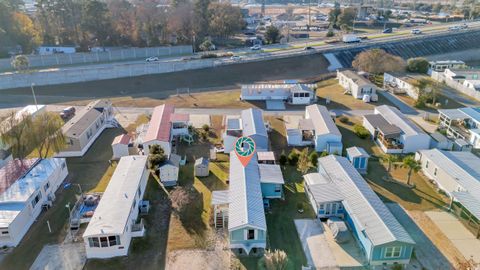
(460, 236)
(402, 106)
(427, 254)
(61, 257)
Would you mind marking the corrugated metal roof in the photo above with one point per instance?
(362, 203)
(453, 114)
(271, 173)
(246, 202)
(395, 117)
(220, 197)
(322, 120)
(473, 113)
(252, 122)
(113, 211)
(160, 126)
(468, 201)
(266, 155)
(322, 190)
(464, 167)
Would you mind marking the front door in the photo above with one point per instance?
(328, 209)
(334, 208)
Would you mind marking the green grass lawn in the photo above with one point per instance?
(86, 171)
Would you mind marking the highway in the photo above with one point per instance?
(291, 49)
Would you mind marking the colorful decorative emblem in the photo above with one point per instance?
(244, 149)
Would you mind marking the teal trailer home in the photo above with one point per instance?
(338, 190)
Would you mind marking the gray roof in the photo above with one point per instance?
(322, 121)
(252, 121)
(271, 173)
(84, 118)
(245, 195)
(462, 113)
(356, 151)
(356, 78)
(468, 201)
(395, 117)
(362, 204)
(464, 167)
(438, 137)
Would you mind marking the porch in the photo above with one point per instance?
(138, 229)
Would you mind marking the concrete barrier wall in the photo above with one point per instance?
(51, 77)
(37, 61)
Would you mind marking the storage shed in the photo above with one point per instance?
(359, 158)
(201, 167)
(120, 146)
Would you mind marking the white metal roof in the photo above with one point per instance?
(113, 211)
(322, 120)
(252, 122)
(245, 195)
(356, 151)
(14, 199)
(271, 173)
(395, 117)
(469, 201)
(220, 197)
(323, 190)
(362, 204)
(464, 167)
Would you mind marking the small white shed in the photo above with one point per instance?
(201, 167)
(168, 174)
(120, 146)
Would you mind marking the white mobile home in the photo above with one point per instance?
(456, 173)
(25, 189)
(401, 84)
(317, 128)
(114, 222)
(462, 123)
(394, 132)
(440, 66)
(357, 85)
(291, 93)
(86, 126)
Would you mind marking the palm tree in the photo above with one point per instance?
(412, 165)
(390, 159)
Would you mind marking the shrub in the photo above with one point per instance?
(283, 159)
(293, 158)
(361, 131)
(417, 65)
(330, 33)
(209, 55)
(343, 119)
(206, 128)
(313, 158)
(324, 154)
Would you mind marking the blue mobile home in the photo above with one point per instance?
(381, 237)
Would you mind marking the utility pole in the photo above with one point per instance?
(34, 97)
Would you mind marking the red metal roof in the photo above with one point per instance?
(179, 117)
(122, 139)
(160, 125)
(14, 170)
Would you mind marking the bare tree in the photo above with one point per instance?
(377, 61)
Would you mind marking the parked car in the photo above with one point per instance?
(152, 59)
(387, 31)
(308, 48)
(256, 47)
(416, 31)
(67, 113)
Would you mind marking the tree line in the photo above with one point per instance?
(89, 23)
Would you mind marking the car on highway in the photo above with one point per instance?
(350, 39)
(308, 48)
(463, 26)
(152, 59)
(454, 28)
(416, 31)
(387, 31)
(235, 58)
(256, 47)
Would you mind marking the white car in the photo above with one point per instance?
(235, 58)
(454, 28)
(256, 47)
(152, 59)
(416, 31)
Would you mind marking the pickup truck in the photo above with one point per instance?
(350, 39)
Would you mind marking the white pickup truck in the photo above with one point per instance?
(350, 39)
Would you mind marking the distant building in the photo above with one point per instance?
(394, 132)
(120, 146)
(250, 123)
(357, 85)
(114, 223)
(46, 50)
(26, 188)
(338, 190)
(164, 126)
(461, 123)
(464, 80)
(318, 129)
(86, 126)
(457, 174)
(291, 93)
(401, 83)
(440, 66)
